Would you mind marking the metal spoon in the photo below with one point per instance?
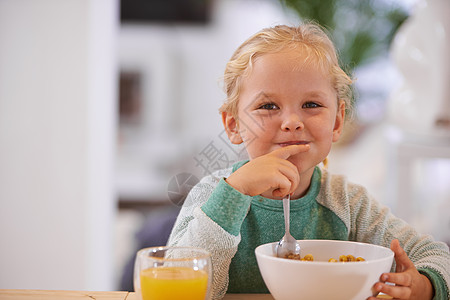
(288, 244)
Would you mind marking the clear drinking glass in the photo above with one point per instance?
(170, 273)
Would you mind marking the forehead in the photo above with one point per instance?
(299, 54)
(287, 68)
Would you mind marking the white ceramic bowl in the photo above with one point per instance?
(289, 279)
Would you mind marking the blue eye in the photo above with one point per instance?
(268, 106)
(311, 105)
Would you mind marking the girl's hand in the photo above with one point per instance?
(271, 172)
(409, 283)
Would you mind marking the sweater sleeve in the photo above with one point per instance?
(374, 223)
(430, 257)
(371, 222)
(227, 207)
(211, 231)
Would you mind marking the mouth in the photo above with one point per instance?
(289, 143)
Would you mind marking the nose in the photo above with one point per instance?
(292, 123)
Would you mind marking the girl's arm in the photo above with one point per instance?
(426, 260)
(408, 282)
(211, 218)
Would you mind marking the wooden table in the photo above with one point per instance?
(82, 295)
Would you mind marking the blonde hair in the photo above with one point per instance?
(310, 40)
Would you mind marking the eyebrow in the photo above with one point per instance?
(316, 94)
(311, 94)
(261, 94)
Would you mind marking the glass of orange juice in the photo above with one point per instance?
(167, 273)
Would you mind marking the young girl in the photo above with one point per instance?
(286, 102)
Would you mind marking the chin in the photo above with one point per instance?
(298, 161)
(302, 163)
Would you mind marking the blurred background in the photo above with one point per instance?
(109, 115)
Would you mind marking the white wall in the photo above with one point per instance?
(57, 137)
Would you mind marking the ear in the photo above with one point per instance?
(232, 128)
(339, 122)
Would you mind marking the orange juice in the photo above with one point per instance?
(169, 283)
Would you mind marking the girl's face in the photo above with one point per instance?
(283, 102)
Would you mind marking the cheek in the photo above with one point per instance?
(325, 142)
(257, 140)
(246, 133)
(326, 134)
(322, 128)
(252, 129)
(323, 137)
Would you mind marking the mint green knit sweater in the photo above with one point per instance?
(231, 225)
